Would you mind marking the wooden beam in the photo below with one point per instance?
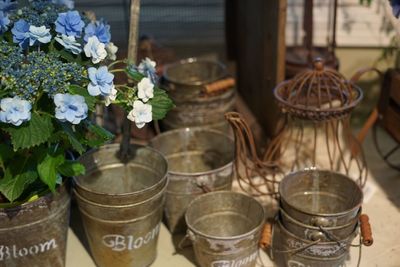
(260, 55)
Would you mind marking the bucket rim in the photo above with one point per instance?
(338, 214)
(225, 238)
(90, 202)
(192, 60)
(195, 129)
(126, 194)
(61, 190)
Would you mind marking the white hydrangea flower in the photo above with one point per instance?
(69, 43)
(141, 113)
(111, 97)
(145, 89)
(112, 50)
(95, 49)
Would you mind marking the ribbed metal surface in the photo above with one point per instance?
(177, 21)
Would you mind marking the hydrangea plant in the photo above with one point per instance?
(55, 66)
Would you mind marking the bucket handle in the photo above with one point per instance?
(204, 187)
(189, 236)
(366, 231)
(219, 86)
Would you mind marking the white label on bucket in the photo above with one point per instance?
(235, 263)
(14, 252)
(129, 242)
(317, 250)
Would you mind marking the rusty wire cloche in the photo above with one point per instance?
(318, 94)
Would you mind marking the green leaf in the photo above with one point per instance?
(33, 133)
(97, 135)
(78, 90)
(100, 131)
(73, 138)
(71, 168)
(13, 187)
(47, 169)
(134, 75)
(160, 103)
(5, 154)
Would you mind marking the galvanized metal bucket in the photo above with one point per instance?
(225, 229)
(121, 205)
(320, 198)
(186, 81)
(199, 160)
(319, 218)
(35, 234)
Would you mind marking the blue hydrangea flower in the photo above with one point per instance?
(101, 81)
(4, 22)
(68, 3)
(148, 68)
(70, 108)
(40, 34)
(69, 43)
(20, 33)
(8, 5)
(98, 29)
(395, 7)
(15, 110)
(69, 23)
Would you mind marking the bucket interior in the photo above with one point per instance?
(224, 214)
(193, 72)
(193, 150)
(320, 192)
(105, 173)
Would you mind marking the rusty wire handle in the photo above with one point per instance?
(219, 86)
(366, 231)
(374, 114)
(204, 187)
(356, 77)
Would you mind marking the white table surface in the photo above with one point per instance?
(382, 208)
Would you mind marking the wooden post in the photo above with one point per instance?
(132, 57)
(260, 55)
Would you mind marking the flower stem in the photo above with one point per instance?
(117, 70)
(115, 63)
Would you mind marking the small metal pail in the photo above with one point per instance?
(298, 252)
(225, 228)
(186, 81)
(199, 160)
(35, 234)
(121, 205)
(320, 198)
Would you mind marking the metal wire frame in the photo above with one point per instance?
(320, 98)
(249, 165)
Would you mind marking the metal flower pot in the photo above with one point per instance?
(35, 234)
(199, 160)
(186, 81)
(225, 229)
(121, 205)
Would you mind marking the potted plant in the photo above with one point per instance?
(53, 69)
